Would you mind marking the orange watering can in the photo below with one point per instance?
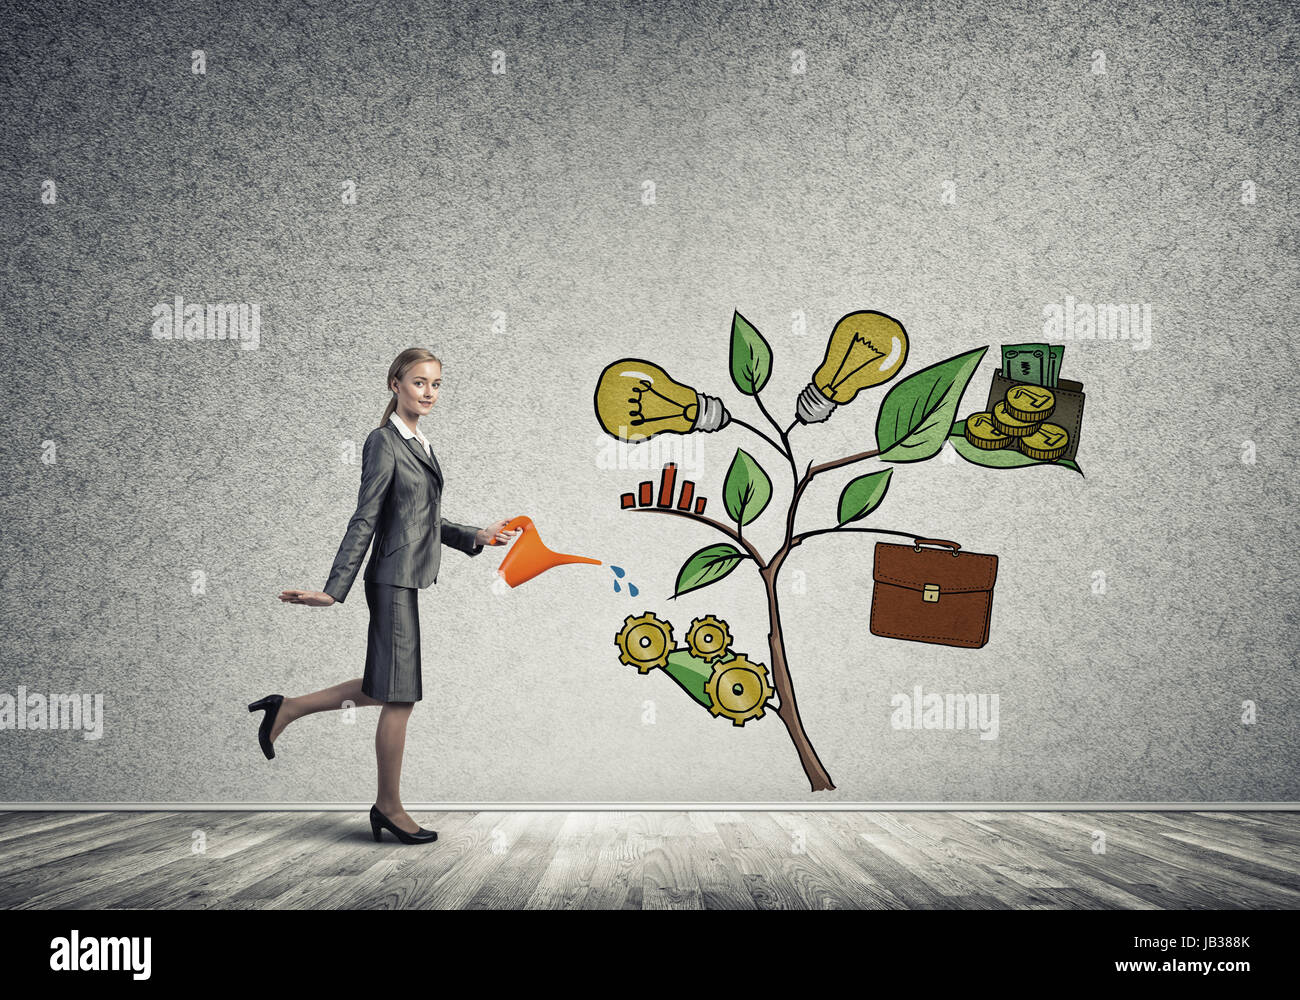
(528, 556)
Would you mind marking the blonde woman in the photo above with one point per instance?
(397, 508)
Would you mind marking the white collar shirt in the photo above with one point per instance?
(406, 432)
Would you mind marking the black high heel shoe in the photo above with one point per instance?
(272, 705)
(379, 821)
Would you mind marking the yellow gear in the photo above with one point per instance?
(708, 638)
(644, 642)
(738, 688)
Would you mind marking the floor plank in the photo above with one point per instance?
(551, 859)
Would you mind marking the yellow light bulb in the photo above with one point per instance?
(866, 348)
(636, 399)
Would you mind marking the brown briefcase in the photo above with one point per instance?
(933, 595)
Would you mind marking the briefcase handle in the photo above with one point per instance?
(918, 542)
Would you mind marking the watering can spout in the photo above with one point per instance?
(528, 556)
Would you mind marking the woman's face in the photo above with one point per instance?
(418, 388)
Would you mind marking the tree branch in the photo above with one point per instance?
(798, 539)
(848, 460)
(809, 474)
(758, 398)
(751, 427)
(690, 516)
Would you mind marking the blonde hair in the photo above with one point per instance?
(410, 356)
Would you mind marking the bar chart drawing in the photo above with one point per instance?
(644, 495)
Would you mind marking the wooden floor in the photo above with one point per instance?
(653, 860)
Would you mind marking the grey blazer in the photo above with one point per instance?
(397, 507)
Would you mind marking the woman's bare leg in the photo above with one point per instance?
(325, 700)
(390, 738)
(390, 741)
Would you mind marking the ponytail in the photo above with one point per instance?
(389, 409)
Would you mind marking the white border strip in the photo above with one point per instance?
(794, 806)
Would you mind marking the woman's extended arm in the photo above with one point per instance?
(377, 466)
(462, 537)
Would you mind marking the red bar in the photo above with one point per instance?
(628, 500)
(688, 490)
(666, 484)
(699, 505)
(647, 492)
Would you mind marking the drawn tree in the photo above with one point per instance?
(637, 399)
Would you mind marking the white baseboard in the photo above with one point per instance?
(425, 807)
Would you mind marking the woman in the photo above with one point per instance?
(397, 507)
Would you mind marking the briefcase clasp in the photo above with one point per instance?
(931, 592)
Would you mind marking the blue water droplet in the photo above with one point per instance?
(618, 571)
(631, 588)
(616, 586)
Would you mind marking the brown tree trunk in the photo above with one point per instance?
(789, 711)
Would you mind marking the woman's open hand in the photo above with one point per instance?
(316, 598)
(496, 534)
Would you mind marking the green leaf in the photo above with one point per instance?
(747, 489)
(1001, 458)
(917, 414)
(863, 495)
(751, 357)
(707, 566)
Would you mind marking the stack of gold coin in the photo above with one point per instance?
(1019, 422)
(1012, 426)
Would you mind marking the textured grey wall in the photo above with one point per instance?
(957, 166)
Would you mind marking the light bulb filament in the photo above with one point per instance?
(837, 378)
(644, 389)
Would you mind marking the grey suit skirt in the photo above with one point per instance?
(393, 644)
